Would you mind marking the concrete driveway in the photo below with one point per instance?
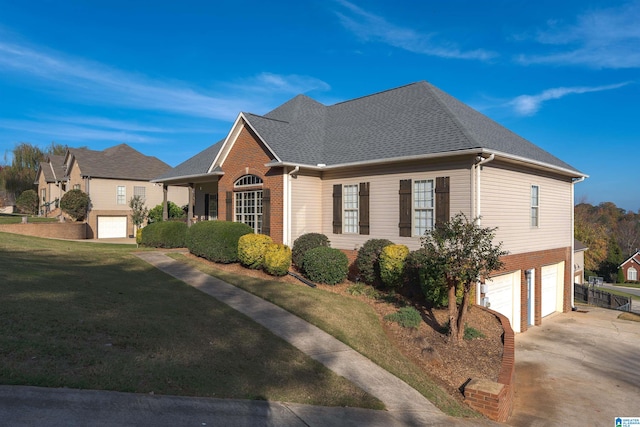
(578, 369)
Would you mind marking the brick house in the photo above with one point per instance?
(111, 178)
(631, 268)
(392, 165)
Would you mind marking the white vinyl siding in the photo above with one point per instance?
(384, 198)
(350, 208)
(506, 204)
(121, 195)
(423, 206)
(306, 206)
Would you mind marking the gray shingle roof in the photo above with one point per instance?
(118, 162)
(53, 168)
(196, 165)
(410, 121)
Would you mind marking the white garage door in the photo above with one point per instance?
(504, 297)
(110, 227)
(552, 286)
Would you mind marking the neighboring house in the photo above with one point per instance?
(393, 165)
(578, 261)
(631, 268)
(111, 178)
(51, 182)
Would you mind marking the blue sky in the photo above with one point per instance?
(169, 77)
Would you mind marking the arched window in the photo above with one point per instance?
(632, 274)
(248, 196)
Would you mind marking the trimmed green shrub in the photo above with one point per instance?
(27, 202)
(361, 289)
(216, 241)
(139, 236)
(620, 278)
(306, 242)
(277, 259)
(325, 265)
(392, 259)
(168, 234)
(251, 249)
(75, 203)
(431, 278)
(174, 211)
(407, 317)
(368, 260)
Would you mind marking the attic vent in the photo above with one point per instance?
(247, 181)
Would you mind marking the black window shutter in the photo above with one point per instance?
(405, 208)
(363, 205)
(442, 200)
(337, 209)
(266, 211)
(229, 201)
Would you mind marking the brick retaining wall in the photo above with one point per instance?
(495, 399)
(56, 230)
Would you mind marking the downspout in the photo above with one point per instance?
(479, 162)
(286, 226)
(573, 228)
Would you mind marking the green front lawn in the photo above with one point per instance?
(94, 316)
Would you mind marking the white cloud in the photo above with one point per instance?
(605, 38)
(83, 81)
(368, 26)
(528, 105)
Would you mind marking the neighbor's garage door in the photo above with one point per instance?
(552, 286)
(504, 297)
(110, 227)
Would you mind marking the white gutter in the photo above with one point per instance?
(286, 208)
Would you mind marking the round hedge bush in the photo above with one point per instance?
(368, 260)
(168, 234)
(325, 265)
(277, 259)
(216, 241)
(392, 260)
(306, 242)
(251, 249)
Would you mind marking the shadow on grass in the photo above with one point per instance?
(82, 316)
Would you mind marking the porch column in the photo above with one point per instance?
(165, 206)
(191, 204)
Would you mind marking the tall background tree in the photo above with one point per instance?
(612, 235)
(20, 175)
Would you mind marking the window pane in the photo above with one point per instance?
(423, 206)
(249, 209)
(350, 206)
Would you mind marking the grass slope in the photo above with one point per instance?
(87, 315)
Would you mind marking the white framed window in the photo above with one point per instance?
(248, 203)
(121, 195)
(423, 206)
(140, 191)
(44, 194)
(76, 186)
(632, 274)
(535, 206)
(350, 208)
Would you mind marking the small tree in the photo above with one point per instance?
(139, 211)
(175, 212)
(75, 203)
(27, 202)
(464, 251)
